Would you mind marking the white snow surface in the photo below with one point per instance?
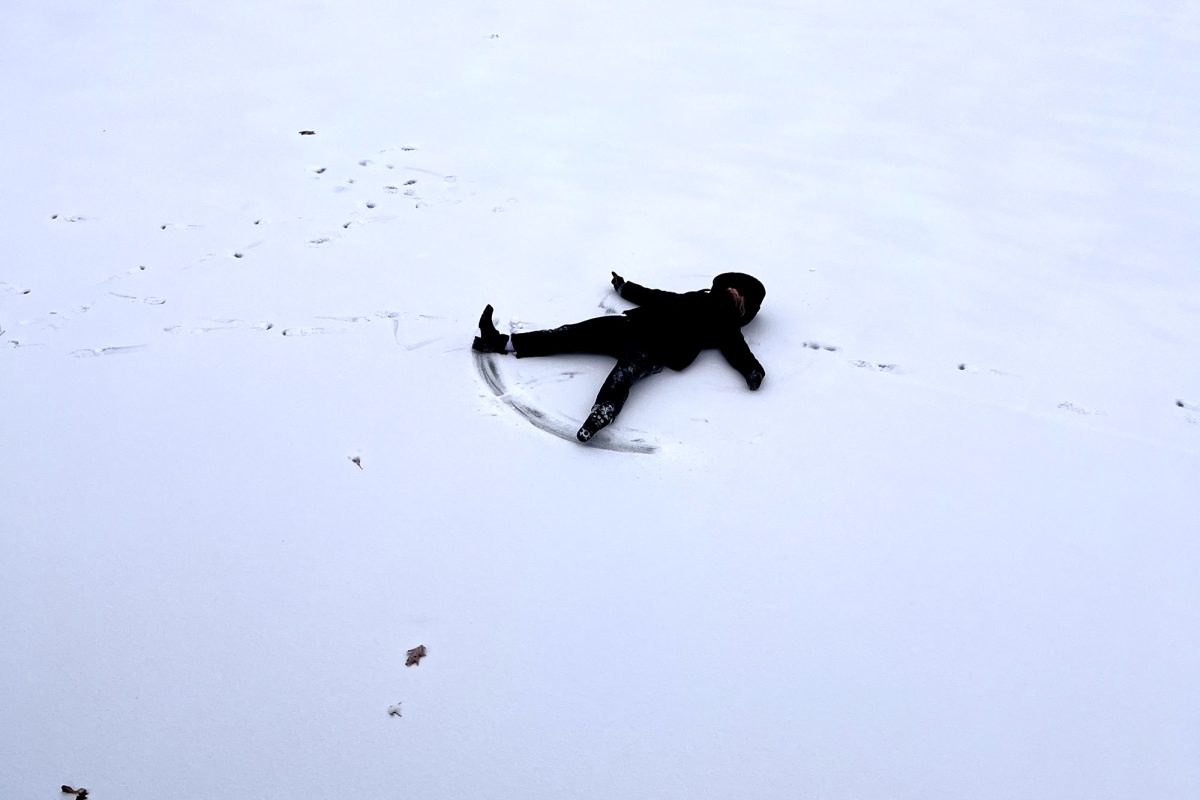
(949, 550)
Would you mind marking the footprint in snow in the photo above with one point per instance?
(150, 301)
(407, 188)
(410, 331)
(875, 366)
(345, 319)
(819, 346)
(221, 325)
(1080, 410)
(106, 351)
(962, 367)
(124, 274)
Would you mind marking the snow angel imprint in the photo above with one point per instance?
(667, 329)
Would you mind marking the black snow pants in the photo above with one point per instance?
(615, 336)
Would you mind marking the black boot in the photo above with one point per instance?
(489, 339)
(602, 414)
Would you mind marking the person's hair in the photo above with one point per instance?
(750, 288)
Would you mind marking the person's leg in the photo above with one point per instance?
(607, 336)
(615, 391)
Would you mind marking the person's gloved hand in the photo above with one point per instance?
(618, 282)
(755, 378)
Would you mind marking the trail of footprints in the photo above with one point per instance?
(871, 366)
(396, 184)
(1191, 415)
(410, 331)
(414, 188)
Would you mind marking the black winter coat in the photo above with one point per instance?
(675, 327)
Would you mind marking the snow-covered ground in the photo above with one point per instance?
(949, 550)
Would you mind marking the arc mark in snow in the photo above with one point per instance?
(607, 439)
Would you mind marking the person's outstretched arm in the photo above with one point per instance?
(738, 354)
(638, 294)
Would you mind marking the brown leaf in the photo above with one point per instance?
(415, 655)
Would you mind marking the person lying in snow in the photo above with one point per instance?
(667, 329)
